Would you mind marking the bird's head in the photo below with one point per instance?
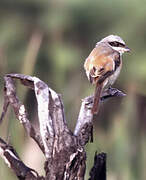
(116, 43)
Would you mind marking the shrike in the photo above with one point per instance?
(104, 64)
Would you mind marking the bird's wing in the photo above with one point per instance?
(100, 64)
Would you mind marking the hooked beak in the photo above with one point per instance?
(127, 49)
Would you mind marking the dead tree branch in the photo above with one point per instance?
(13, 161)
(64, 150)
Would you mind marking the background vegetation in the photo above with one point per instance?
(51, 40)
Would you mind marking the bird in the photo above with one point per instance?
(103, 65)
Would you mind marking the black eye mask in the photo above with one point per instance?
(116, 44)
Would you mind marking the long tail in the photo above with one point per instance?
(97, 94)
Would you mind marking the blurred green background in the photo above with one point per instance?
(50, 40)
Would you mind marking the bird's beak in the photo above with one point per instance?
(127, 49)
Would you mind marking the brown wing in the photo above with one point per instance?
(99, 64)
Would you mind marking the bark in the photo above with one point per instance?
(63, 149)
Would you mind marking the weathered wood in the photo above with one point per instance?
(98, 171)
(63, 149)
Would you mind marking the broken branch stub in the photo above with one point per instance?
(98, 170)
